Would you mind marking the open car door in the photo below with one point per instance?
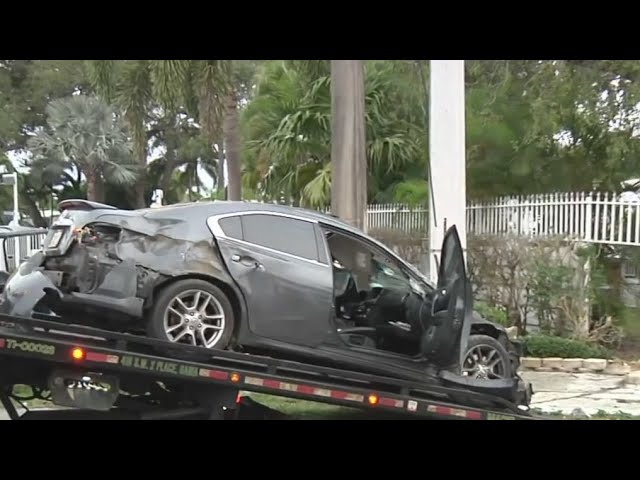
(445, 337)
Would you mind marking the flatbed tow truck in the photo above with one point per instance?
(101, 374)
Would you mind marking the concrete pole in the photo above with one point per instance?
(447, 154)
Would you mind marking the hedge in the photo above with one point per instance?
(542, 346)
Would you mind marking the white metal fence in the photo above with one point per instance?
(596, 217)
(397, 217)
(19, 243)
(565, 214)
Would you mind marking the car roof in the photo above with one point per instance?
(223, 207)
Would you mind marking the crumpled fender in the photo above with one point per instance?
(25, 288)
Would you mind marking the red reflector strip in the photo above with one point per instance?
(352, 397)
(216, 374)
(102, 357)
(2, 342)
(455, 412)
(391, 402)
(304, 389)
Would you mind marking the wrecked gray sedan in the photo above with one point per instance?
(266, 279)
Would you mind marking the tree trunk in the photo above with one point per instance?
(170, 157)
(92, 185)
(140, 154)
(220, 185)
(348, 142)
(100, 189)
(232, 147)
(32, 210)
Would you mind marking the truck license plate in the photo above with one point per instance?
(91, 391)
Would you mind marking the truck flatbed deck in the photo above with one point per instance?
(128, 376)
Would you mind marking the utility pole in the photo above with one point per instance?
(447, 154)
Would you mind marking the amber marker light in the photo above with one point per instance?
(78, 353)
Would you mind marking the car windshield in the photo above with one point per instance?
(392, 277)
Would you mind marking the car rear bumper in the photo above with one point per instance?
(25, 288)
(28, 286)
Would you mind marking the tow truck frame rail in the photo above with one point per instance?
(91, 369)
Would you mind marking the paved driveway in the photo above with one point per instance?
(566, 392)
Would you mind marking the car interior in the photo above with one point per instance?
(377, 305)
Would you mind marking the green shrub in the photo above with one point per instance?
(549, 346)
(492, 313)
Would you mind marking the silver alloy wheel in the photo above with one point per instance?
(194, 317)
(484, 362)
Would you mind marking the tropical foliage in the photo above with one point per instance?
(83, 134)
(531, 124)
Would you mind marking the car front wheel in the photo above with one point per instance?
(192, 312)
(486, 358)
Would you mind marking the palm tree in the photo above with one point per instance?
(86, 134)
(348, 141)
(287, 133)
(127, 85)
(201, 89)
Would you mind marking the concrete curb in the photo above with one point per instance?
(580, 365)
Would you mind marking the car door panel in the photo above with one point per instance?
(445, 337)
(288, 298)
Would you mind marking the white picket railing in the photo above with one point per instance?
(397, 217)
(564, 214)
(596, 217)
(25, 242)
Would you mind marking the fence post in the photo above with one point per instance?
(589, 217)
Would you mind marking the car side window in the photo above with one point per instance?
(232, 227)
(288, 235)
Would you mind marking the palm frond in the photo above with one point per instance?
(317, 192)
(102, 78)
(134, 91)
(169, 78)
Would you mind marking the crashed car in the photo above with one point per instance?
(267, 279)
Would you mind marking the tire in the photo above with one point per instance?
(481, 346)
(198, 327)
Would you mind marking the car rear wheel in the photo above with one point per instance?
(192, 312)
